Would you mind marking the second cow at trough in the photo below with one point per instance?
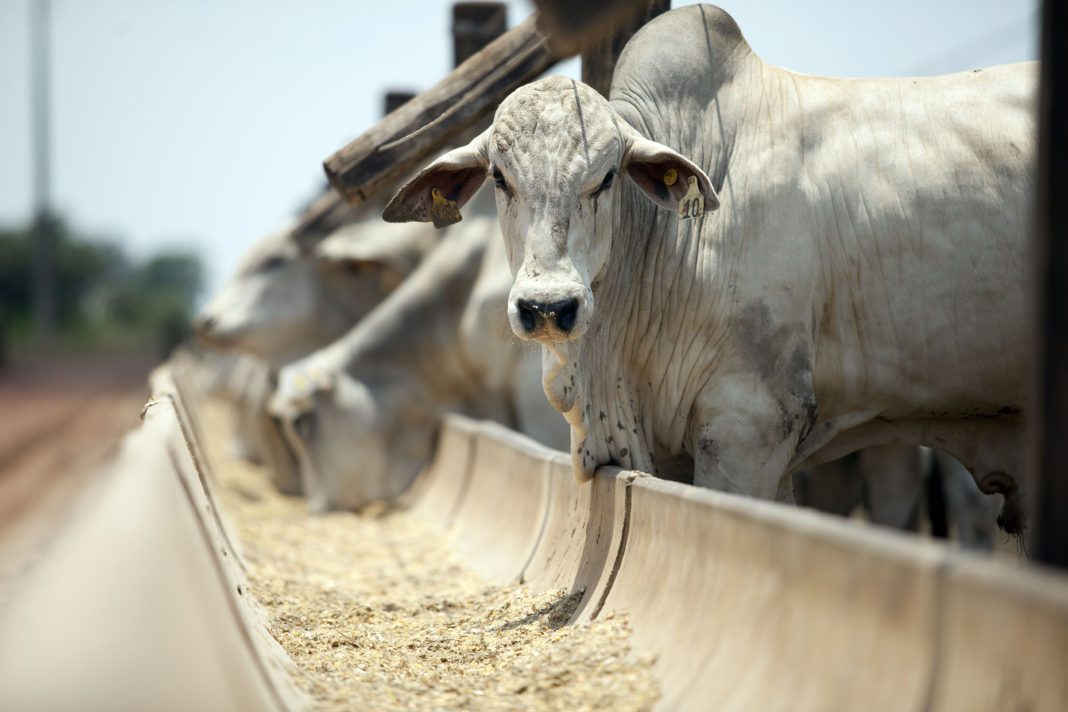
(363, 412)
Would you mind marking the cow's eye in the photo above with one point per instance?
(354, 267)
(272, 263)
(498, 180)
(605, 184)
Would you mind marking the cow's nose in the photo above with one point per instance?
(566, 312)
(533, 314)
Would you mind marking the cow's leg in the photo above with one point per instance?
(990, 450)
(744, 439)
(894, 478)
(834, 487)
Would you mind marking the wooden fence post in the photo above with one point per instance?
(574, 26)
(396, 99)
(475, 25)
(599, 59)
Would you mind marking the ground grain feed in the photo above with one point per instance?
(379, 613)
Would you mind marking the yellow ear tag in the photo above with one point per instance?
(390, 279)
(692, 204)
(443, 212)
(670, 176)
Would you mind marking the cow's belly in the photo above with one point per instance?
(935, 349)
(963, 379)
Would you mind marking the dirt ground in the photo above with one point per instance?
(60, 416)
(379, 613)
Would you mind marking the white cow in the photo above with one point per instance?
(364, 411)
(294, 295)
(246, 383)
(258, 431)
(851, 271)
(291, 296)
(225, 375)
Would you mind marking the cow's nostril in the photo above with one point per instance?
(529, 314)
(204, 324)
(566, 313)
(304, 426)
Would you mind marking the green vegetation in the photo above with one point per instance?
(103, 297)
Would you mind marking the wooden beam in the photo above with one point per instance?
(1048, 488)
(474, 25)
(394, 146)
(599, 59)
(327, 213)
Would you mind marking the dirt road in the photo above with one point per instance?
(59, 418)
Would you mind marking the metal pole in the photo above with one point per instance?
(44, 300)
(1048, 532)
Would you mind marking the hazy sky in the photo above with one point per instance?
(204, 122)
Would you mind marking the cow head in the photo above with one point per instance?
(357, 441)
(557, 152)
(291, 297)
(256, 311)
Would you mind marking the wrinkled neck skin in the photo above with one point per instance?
(619, 385)
(614, 385)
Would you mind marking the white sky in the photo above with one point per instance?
(203, 123)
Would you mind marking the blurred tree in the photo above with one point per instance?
(101, 295)
(81, 265)
(14, 277)
(158, 297)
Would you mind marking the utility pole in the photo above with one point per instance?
(44, 282)
(1049, 469)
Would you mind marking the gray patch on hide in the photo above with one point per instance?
(708, 448)
(782, 362)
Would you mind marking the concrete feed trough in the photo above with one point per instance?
(744, 604)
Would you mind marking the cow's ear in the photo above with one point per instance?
(668, 178)
(441, 189)
(394, 249)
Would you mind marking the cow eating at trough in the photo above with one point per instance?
(292, 295)
(761, 270)
(295, 293)
(362, 413)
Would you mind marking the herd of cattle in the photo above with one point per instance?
(729, 274)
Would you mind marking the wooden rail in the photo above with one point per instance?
(397, 144)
